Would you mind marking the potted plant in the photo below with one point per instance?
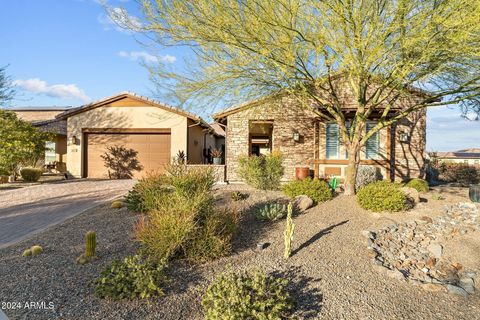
(4, 175)
(474, 192)
(217, 156)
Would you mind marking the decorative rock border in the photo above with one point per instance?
(413, 250)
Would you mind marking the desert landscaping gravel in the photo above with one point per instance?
(332, 274)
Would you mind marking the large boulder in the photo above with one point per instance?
(302, 203)
(412, 194)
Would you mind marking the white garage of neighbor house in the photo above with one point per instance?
(158, 132)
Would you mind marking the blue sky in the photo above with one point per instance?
(68, 52)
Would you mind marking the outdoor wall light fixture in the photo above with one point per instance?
(74, 140)
(296, 136)
(403, 137)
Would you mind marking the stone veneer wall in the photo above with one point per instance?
(409, 157)
(286, 119)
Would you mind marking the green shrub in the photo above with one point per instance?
(134, 277)
(31, 174)
(237, 196)
(150, 192)
(318, 190)
(437, 196)
(247, 295)
(183, 221)
(271, 211)
(382, 196)
(263, 172)
(418, 184)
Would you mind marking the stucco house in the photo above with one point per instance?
(157, 131)
(305, 140)
(466, 156)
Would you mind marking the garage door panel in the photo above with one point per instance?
(153, 151)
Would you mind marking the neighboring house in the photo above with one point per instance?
(267, 124)
(44, 119)
(466, 156)
(158, 132)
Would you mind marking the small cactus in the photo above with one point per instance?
(117, 204)
(91, 244)
(35, 250)
(27, 253)
(289, 232)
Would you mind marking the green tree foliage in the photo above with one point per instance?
(20, 143)
(380, 53)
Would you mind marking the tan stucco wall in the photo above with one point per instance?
(197, 141)
(123, 117)
(36, 115)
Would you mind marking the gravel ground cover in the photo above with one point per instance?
(331, 271)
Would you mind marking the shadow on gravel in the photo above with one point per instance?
(251, 229)
(317, 236)
(182, 276)
(308, 300)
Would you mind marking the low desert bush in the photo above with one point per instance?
(31, 174)
(459, 173)
(418, 184)
(237, 196)
(367, 175)
(182, 220)
(247, 295)
(150, 192)
(382, 196)
(263, 172)
(145, 194)
(466, 175)
(318, 190)
(134, 277)
(271, 211)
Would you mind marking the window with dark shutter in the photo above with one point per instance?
(373, 143)
(332, 141)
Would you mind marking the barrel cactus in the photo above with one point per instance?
(117, 204)
(27, 253)
(36, 250)
(91, 244)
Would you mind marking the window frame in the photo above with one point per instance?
(337, 153)
(376, 136)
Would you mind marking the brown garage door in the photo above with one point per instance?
(153, 151)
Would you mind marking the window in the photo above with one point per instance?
(373, 143)
(50, 155)
(332, 139)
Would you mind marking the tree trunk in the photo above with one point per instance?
(351, 171)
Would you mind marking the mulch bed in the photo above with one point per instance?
(331, 274)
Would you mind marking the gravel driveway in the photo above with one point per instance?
(26, 211)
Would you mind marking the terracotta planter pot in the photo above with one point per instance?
(302, 173)
(474, 193)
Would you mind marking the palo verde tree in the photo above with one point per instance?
(381, 53)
